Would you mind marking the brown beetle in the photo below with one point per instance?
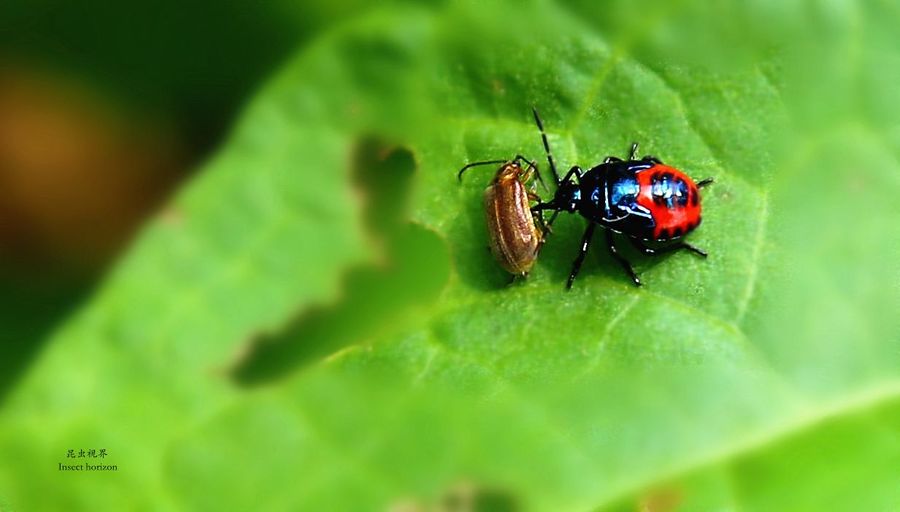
(516, 238)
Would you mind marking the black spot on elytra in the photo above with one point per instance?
(677, 233)
(664, 234)
(681, 192)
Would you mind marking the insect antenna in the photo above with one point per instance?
(540, 125)
(475, 164)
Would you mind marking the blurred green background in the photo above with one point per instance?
(235, 256)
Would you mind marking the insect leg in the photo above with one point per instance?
(585, 244)
(536, 209)
(539, 217)
(650, 251)
(539, 209)
(611, 245)
(552, 218)
(705, 182)
(532, 167)
(633, 152)
(574, 171)
(539, 213)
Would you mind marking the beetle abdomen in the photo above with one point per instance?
(515, 239)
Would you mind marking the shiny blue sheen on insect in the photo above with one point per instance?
(624, 192)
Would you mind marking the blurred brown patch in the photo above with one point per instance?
(77, 175)
(464, 496)
(664, 499)
(471, 497)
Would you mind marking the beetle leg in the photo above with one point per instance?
(527, 161)
(526, 173)
(705, 182)
(545, 228)
(516, 278)
(611, 245)
(532, 168)
(552, 218)
(649, 251)
(585, 244)
(538, 211)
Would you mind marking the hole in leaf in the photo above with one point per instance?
(413, 270)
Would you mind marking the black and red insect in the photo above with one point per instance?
(642, 199)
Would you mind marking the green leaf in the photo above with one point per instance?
(222, 369)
